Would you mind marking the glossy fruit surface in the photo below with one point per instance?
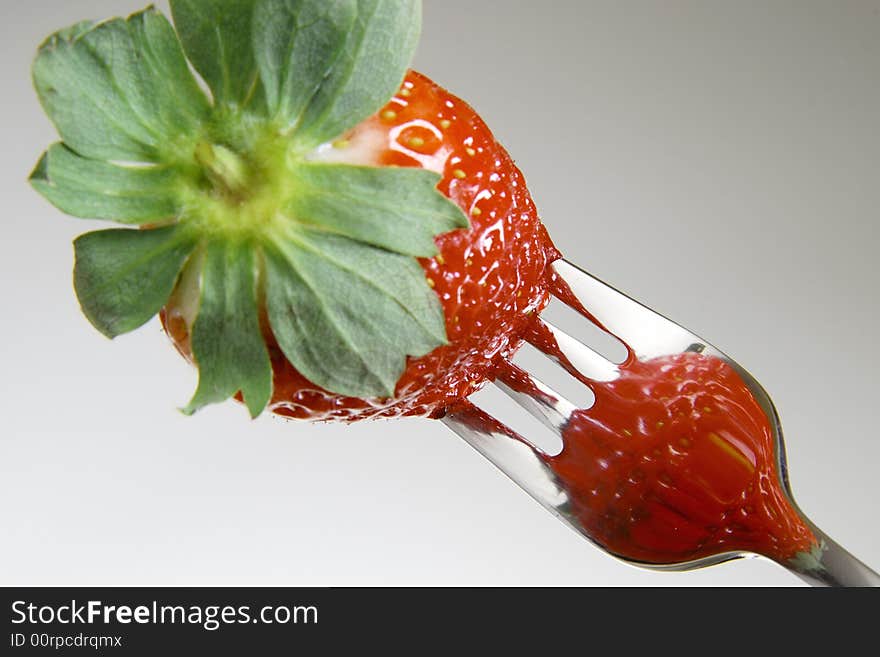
(490, 279)
(677, 461)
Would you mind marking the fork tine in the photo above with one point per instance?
(646, 332)
(539, 399)
(509, 453)
(579, 359)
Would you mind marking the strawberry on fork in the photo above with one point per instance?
(332, 236)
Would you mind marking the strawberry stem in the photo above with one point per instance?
(227, 172)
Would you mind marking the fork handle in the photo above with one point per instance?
(836, 567)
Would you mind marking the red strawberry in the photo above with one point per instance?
(490, 278)
(325, 233)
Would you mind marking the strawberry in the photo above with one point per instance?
(676, 461)
(489, 278)
(327, 234)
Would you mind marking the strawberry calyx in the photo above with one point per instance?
(228, 194)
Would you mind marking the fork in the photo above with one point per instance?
(648, 335)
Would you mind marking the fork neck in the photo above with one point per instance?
(831, 565)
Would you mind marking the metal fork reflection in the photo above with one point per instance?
(649, 335)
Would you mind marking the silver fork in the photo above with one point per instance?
(649, 335)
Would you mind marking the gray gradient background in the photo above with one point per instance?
(718, 160)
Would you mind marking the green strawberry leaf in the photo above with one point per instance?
(123, 277)
(297, 44)
(216, 35)
(362, 77)
(398, 209)
(73, 32)
(226, 338)
(93, 189)
(347, 315)
(119, 90)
